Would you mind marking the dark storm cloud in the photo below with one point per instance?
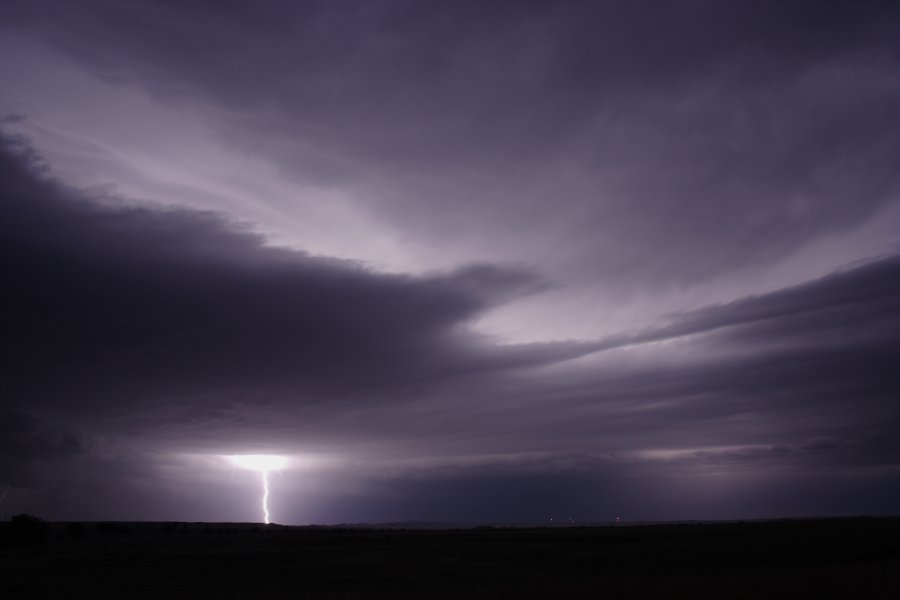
(171, 317)
(633, 147)
(108, 299)
(744, 125)
(851, 306)
(813, 368)
(179, 331)
(802, 379)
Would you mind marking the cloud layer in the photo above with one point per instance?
(179, 329)
(564, 135)
(593, 255)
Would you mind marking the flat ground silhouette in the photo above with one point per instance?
(836, 558)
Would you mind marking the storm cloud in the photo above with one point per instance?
(733, 124)
(101, 292)
(594, 254)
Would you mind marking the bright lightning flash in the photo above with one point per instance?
(262, 463)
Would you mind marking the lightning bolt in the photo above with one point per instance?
(264, 463)
(265, 498)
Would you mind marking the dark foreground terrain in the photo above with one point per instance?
(839, 558)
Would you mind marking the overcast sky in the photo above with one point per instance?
(458, 261)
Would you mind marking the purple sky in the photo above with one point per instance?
(460, 261)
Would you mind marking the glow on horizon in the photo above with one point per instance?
(262, 463)
(259, 462)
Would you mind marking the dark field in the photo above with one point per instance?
(840, 558)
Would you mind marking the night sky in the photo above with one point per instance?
(457, 261)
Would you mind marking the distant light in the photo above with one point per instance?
(259, 462)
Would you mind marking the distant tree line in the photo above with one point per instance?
(24, 530)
